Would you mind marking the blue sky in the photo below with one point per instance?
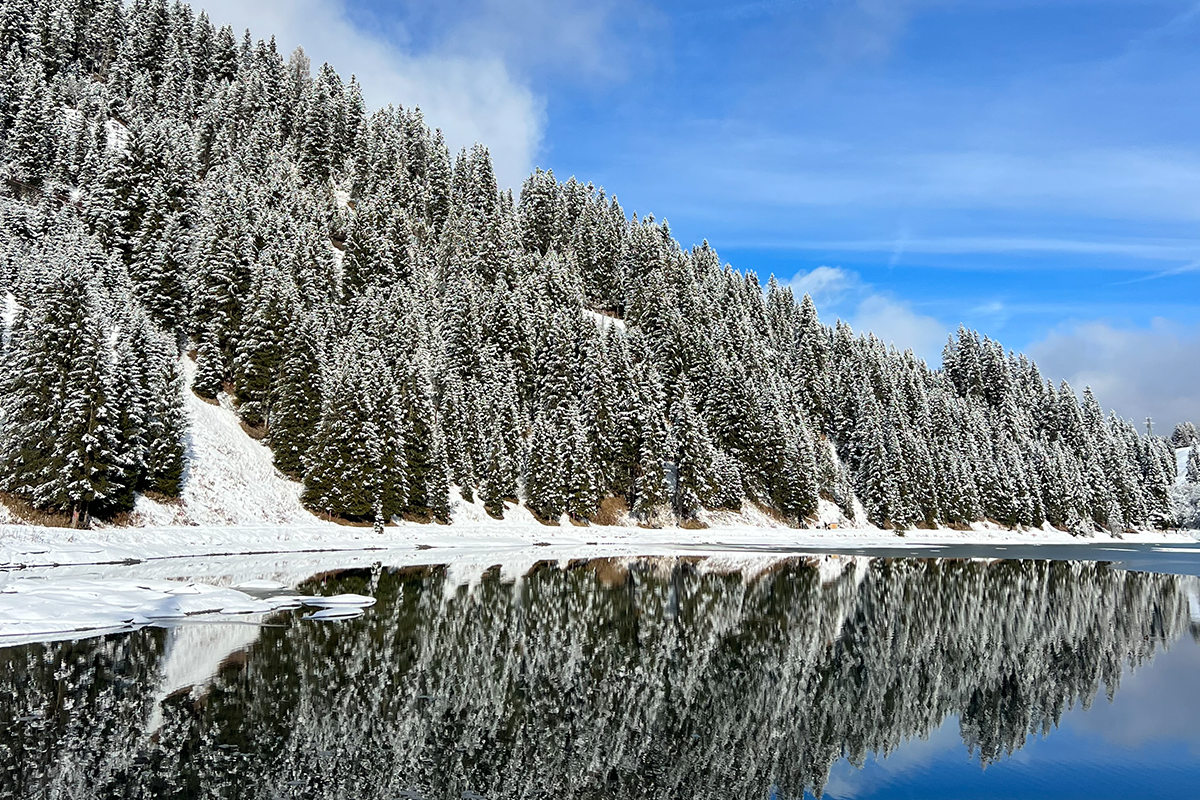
(1030, 169)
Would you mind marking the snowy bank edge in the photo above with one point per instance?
(25, 546)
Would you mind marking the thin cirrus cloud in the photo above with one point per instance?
(1172, 250)
(473, 98)
(1114, 182)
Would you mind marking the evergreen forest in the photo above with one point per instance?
(183, 208)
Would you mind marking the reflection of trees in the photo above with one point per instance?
(594, 681)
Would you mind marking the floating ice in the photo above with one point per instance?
(345, 612)
(339, 601)
(33, 609)
(260, 586)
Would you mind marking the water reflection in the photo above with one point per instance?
(660, 678)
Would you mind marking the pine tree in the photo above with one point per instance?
(545, 483)
(356, 467)
(32, 143)
(165, 453)
(86, 446)
(259, 346)
(437, 480)
(210, 368)
(695, 461)
(295, 408)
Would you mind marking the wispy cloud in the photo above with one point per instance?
(585, 40)
(826, 285)
(1135, 183)
(897, 322)
(1176, 24)
(1192, 266)
(1172, 250)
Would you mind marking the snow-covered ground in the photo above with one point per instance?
(230, 478)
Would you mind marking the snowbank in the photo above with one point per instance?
(23, 546)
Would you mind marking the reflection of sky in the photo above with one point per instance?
(1143, 744)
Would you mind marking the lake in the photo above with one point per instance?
(663, 677)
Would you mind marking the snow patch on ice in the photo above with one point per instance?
(338, 601)
(259, 586)
(41, 610)
(335, 613)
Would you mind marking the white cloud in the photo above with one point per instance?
(825, 284)
(842, 292)
(592, 40)
(471, 97)
(1137, 372)
(895, 322)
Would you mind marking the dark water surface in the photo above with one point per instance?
(665, 678)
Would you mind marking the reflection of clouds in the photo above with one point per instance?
(846, 780)
(1159, 702)
(1156, 705)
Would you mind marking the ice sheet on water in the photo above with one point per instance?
(339, 601)
(260, 586)
(33, 609)
(330, 614)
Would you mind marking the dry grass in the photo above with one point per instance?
(612, 511)
(255, 432)
(20, 508)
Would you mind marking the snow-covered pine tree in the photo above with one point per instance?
(85, 453)
(695, 457)
(295, 409)
(210, 367)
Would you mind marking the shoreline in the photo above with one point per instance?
(25, 546)
(60, 583)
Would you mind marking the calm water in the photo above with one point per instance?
(893, 678)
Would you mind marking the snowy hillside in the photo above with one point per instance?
(229, 478)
